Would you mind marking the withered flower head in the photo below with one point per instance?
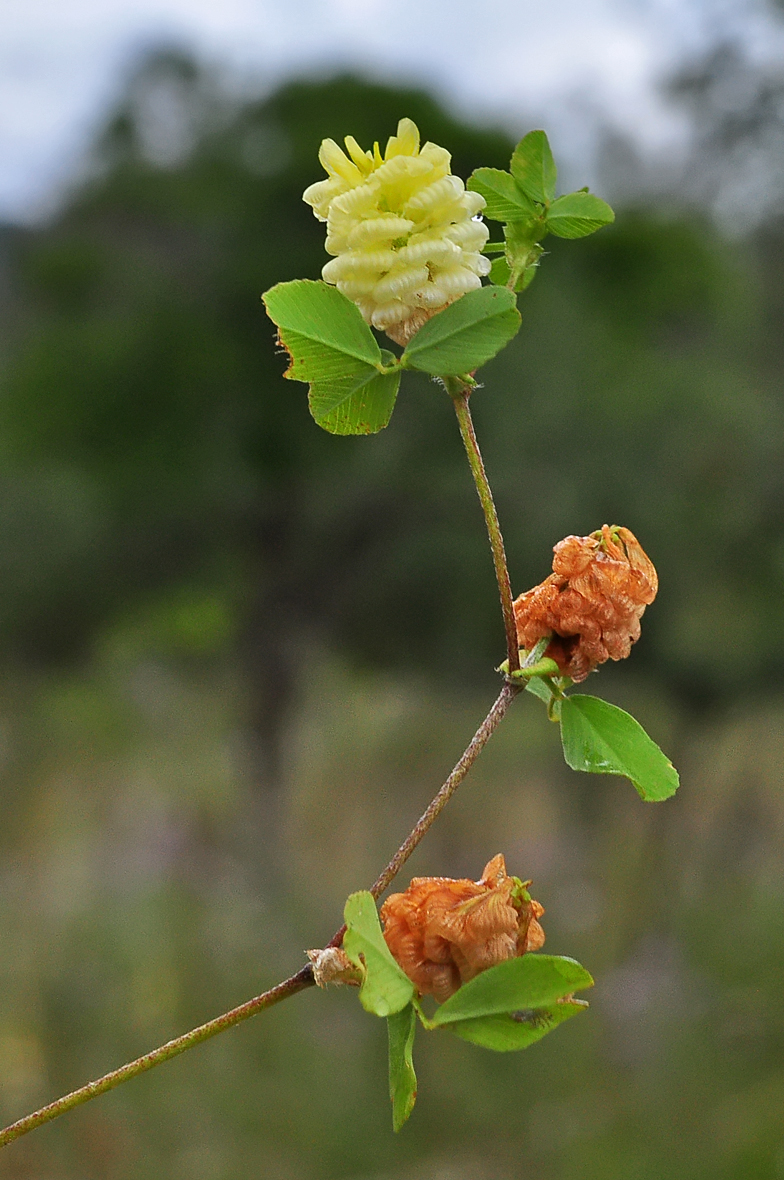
(443, 932)
(592, 602)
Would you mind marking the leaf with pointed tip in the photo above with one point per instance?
(600, 738)
(465, 334)
(401, 1028)
(578, 214)
(529, 981)
(386, 989)
(533, 167)
(361, 403)
(504, 199)
(516, 1030)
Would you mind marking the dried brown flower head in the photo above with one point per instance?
(591, 603)
(443, 932)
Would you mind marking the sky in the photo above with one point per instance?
(509, 62)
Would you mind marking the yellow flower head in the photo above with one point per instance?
(403, 231)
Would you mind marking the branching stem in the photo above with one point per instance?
(304, 977)
(289, 987)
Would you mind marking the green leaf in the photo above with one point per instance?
(516, 1030)
(600, 738)
(527, 277)
(533, 167)
(402, 1080)
(529, 981)
(464, 335)
(386, 989)
(330, 345)
(361, 403)
(523, 250)
(540, 688)
(322, 331)
(578, 214)
(499, 272)
(505, 200)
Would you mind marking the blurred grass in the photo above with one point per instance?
(133, 911)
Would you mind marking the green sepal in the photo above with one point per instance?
(504, 199)
(464, 335)
(385, 989)
(600, 738)
(544, 667)
(509, 1031)
(529, 981)
(533, 167)
(577, 215)
(401, 1028)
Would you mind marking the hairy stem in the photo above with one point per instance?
(289, 987)
(460, 395)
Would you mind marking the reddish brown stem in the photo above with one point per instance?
(439, 802)
(304, 977)
(289, 987)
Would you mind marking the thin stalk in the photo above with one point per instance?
(460, 395)
(439, 802)
(289, 987)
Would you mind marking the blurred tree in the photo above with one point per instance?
(148, 437)
(150, 448)
(735, 162)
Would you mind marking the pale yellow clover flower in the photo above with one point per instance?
(403, 230)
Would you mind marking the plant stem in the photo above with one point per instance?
(439, 802)
(289, 987)
(304, 977)
(460, 394)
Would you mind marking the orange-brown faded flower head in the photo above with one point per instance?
(443, 932)
(591, 603)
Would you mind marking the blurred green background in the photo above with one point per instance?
(239, 656)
